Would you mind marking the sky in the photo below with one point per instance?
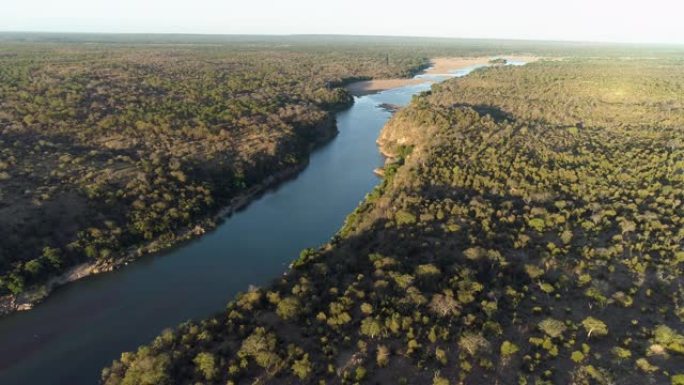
(632, 21)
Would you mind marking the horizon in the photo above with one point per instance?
(329, 35)
(630, 22)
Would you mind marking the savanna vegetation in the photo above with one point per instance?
(529, 230)
(112, 146)
(111, 150)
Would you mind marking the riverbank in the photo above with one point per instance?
(444, 262)
(119, 311)
(438, 66)
(443, 65)
(29, 299)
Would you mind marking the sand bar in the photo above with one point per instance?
(370, 86)
(442, 65)
(439, 65)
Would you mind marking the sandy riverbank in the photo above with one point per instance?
(442, 65)
(370, 86)
(438, 66)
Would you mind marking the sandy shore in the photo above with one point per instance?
(438, 65)
(370, 86)
(442, 65)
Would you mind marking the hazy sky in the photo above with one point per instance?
(597, 20)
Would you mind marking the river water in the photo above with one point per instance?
(85, 325)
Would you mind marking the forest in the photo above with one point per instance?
(115, 146)
(109, 151)
(529, 229)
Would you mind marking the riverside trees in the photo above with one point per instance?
(533, 234)
(107, 148)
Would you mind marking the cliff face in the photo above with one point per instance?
(399, 132)
(412, 128)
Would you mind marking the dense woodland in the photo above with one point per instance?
(107, 150)
(112, 146)
(529, 230)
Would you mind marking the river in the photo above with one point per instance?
(83, 326)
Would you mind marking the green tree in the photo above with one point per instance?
(302, 367)
(288, 308)
(594, 327)
(205, 363)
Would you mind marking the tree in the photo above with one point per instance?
(260, 345)
(205, 364)
(444, 305)
(552, 327)
(33, 267)
(288, 308)
(371, 327)
(382, 356)
(508, 348)
(302, 367)
(145, 368)
(594, 327)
